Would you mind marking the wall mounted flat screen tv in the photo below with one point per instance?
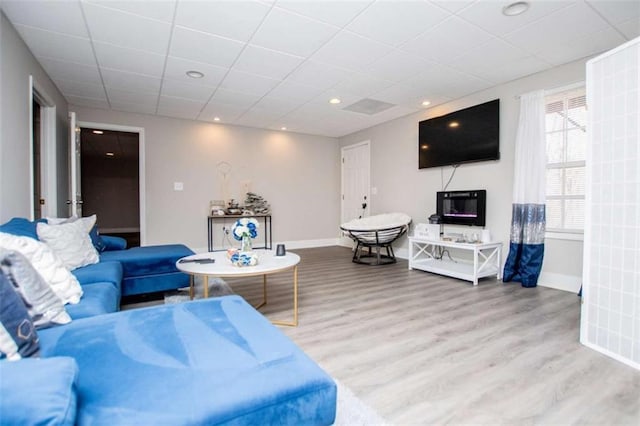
(465, 136)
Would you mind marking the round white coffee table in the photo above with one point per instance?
(221, 267)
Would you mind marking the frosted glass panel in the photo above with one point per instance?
(611, 309)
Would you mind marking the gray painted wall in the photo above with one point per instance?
(16, 65)
(298, 174)
(403, 187)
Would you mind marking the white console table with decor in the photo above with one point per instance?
(426, 254)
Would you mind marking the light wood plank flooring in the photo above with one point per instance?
(425, 349)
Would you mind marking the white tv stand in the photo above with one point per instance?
(424, 254)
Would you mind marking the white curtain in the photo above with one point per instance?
(526, 248)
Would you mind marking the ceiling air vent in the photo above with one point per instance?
(368, 106)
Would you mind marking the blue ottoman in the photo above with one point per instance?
(151, 268)
(213, 361)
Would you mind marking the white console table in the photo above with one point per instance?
(425, 255)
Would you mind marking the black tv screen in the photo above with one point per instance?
(471, 134)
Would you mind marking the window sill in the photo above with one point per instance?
(564, 236)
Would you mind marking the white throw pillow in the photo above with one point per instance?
(61, 281)
(70, 241)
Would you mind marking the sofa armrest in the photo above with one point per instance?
(113, 243)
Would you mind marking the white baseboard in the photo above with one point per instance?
(564, 282)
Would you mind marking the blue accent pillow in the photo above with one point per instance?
(96, 239)
(39, 391)
(21, 227)
(18, 336)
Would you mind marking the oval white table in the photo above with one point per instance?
(221, 267)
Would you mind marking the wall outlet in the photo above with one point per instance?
(178, 186)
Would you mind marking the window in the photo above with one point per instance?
(566, 138)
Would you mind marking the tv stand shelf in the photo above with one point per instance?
(426, 255)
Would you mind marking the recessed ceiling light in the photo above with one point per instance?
(426, 103)
(110, 154)
(195, 74)
(97, 132)
(515, 9)
(334, 101)
(283, 128)
(216, 118)
(454, 124)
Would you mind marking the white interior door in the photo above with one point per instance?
(356, 170)
(75, 200)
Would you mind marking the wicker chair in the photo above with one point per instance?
(376, 232)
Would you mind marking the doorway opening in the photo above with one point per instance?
(36, 159)
(110, 181)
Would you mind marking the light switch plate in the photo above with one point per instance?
(178, 186)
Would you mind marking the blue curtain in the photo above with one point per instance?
(526, 247)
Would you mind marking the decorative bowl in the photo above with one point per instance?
(242, 258)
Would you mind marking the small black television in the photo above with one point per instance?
(462, 207)
(469, 135)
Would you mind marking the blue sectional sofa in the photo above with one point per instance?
(214, 361)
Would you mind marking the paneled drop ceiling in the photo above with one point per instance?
(270, 64)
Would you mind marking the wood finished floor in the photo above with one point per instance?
(425, 349)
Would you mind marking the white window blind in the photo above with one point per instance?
(566, 120)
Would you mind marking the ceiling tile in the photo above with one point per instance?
(397, 66)
(397, 94)
(363, 85)
(226, 113)
(84, 90)
(396, 22)
(295, 91)
(448, 39)
(130, 81)
(486, 61)
(292, 33)
(124, 29)
(237, 99)
(138, 108)
(259, 118)
(70, 71)
(488, 14)
(161, 10)
(118, 96)
(201, 47)
(319, 75)
(87, 102)
(553, 28)
(130, 60)
(338, 13)
(348, 50)
(565, 51)
(176, 69)
(61, 17)
(630, 28)
(59, 46)
(616, 11)
(179, 107)
(278, 105)
(266, 62)
(248, 83)
(237, 20)
(453, 5)
(197, 92)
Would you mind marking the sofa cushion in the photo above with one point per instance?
(154, 283)
(70, 242)
(148, 260)
(22, 227)
(98, 298)
(64, 285)
(203, 362)
(18, 336)
(100, 272)
(44, 307)
(38, 391)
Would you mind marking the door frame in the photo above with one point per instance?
(141, 166)
(367, 143)
(48, 151)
